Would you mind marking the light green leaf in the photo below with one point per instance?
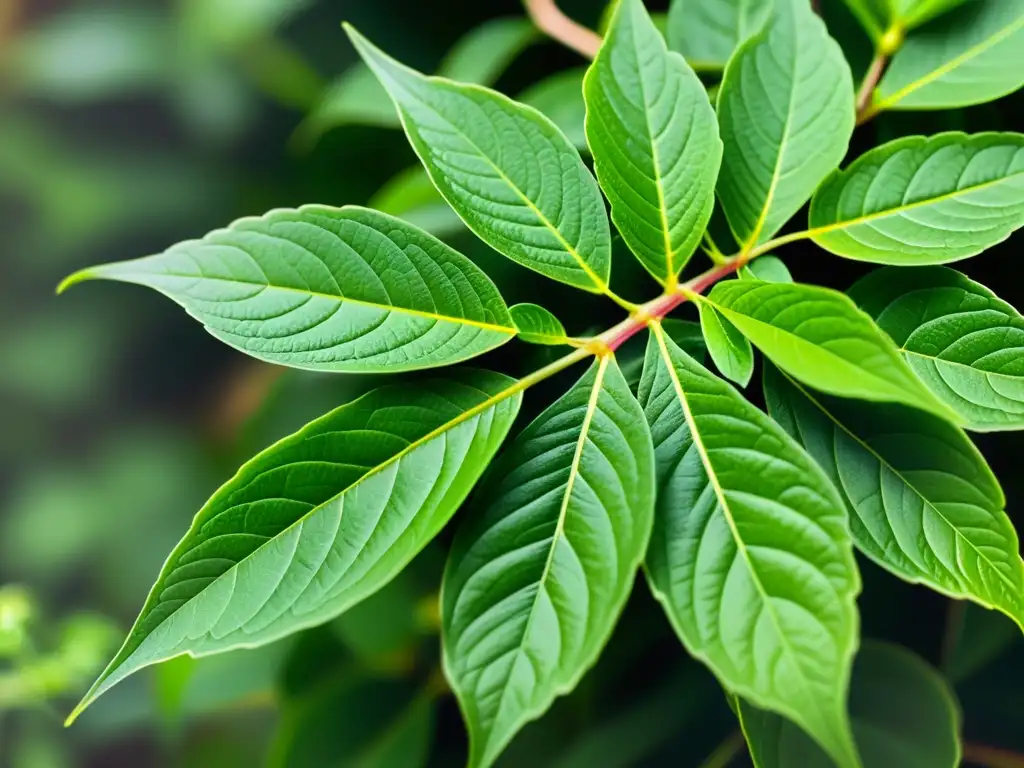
(972, 55)
(537, 325)
(770, 269)
(412, 196)
(707, 32)
(904, 714)
(786, 111)
(560, 99)
(730, 350)
(328, 289)
(819, 336)
(546, 558)
(483, 54)
(923, 502)
(655, 142)
(754, 568)
(321, 519)
(961, 340)
(914, 13)
(919, 200)
(507, 171)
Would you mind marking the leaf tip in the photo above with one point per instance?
(74, 279)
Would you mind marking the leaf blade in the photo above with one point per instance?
(729, 349)
(537, 325)
(707, 32)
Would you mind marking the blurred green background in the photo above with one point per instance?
(128, 125)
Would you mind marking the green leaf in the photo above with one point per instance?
(328, 289)
(923, 502)
(979, 638)
(873, 15)
(655, 142)
(507, 171)
(411, 196)
(483, 54)
(972, 55)
(770, 269)
(917, 200)
(819, 336)
(685, 333)
(537, 325)
(754, 568)
(545, 560)
(272, 552)
(707, 32)
(914, 13)
(904, 714)
(560, 99)
(730, 350)
(786, 111)
(960, 339)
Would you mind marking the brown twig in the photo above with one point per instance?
(867, 88)
(992, 757)
(552, 22)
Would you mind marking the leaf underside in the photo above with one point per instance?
(707, 32)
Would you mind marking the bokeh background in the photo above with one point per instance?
(128, 125)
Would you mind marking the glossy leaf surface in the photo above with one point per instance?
(770, 269)
(707, 32)
(321, 519)
(537, 325)
(755, 569)
(329, 289)
(546, 558)
(729, 349)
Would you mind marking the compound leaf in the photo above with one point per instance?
(507, 171)
(961, 340)
(786, 111)
(923, 502)
(729, 349)
(654, 138)
(328, 289)
(537, 325)
(754, 568)
(707, 32)
(819, 336)
(919, 200)
(321, 519)
(547, 556)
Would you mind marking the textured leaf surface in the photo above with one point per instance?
(972, 55)
(919, 200)
(507, 171)
(729, 349)
(707, 32)
(904, 714)
(560, 99)
(786, 111)
(770, 269)
(654, 137)
(329, 289)
(961, 340)
(546, 558)
(754, 567)
(923, 502)
(321, 520)
(819, 336)
(537, 325)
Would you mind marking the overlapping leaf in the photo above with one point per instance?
(537, 325)
(547, 557)
(904, 714)
(321, 520)
(962, 341)
(655, 142)
(507, 171)
(919, 200)
(819, 336)
(786, 111)
(972, 55)
(707, 32)
(329, 289)
(750, 554)
(729, 349)
(770, 269)
(560, 99)
(924, 503)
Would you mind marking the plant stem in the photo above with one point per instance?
(552, 368)
(992, 757)
(725, 752)
(867, 88)
(552, 22)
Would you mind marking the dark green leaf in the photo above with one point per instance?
(411, 196)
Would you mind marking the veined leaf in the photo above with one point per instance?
(786, 111)
(537, 325)
(770, 269)
(819, 336)
(972, 55)
(655, 142)
(560, 99)
(961, 340)
(729, 349)
(923, 502)
(917, 200)
(707, 32)
(507, 171)
(328, 289)
(904, 714)
(546, 558)
(321, 519)
(685, 333)
(754, 567)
